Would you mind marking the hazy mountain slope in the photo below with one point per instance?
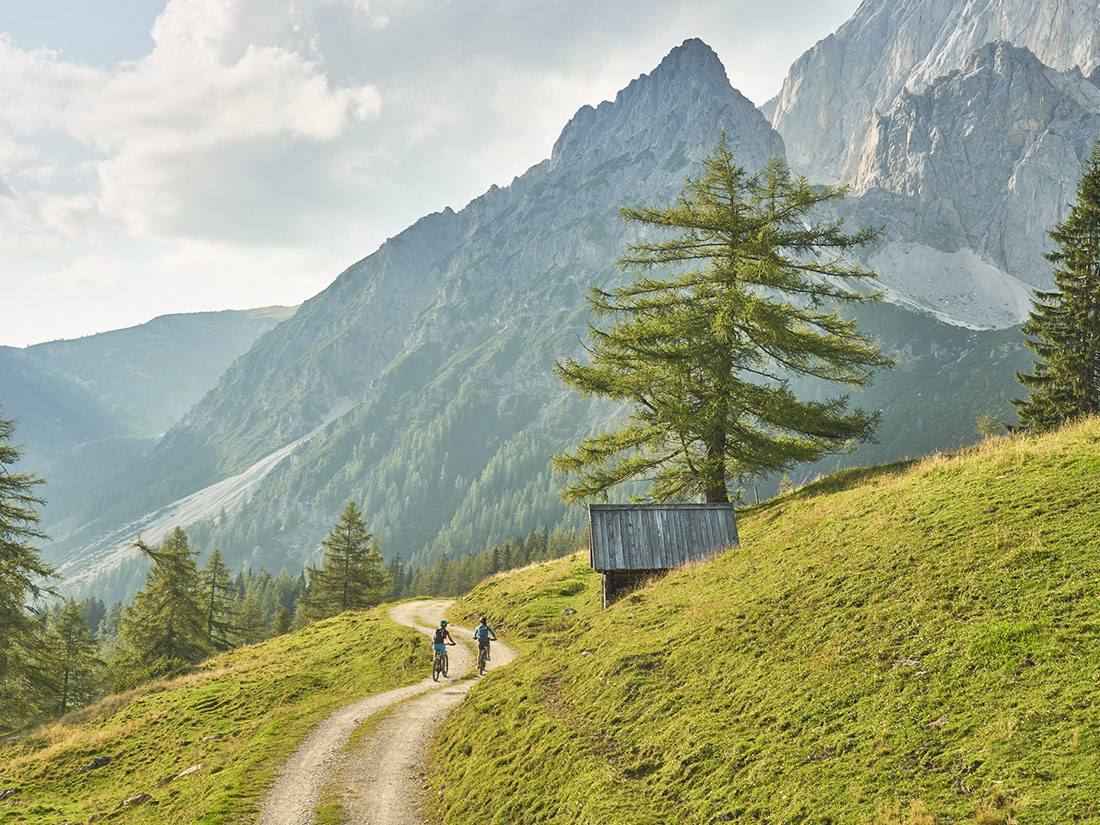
(149, 375)
(831, 92)
(903, 644)
(89, 407)
(454, 322)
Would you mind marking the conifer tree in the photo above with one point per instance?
(218, 590)
(281, 624)
(73, 657)
(22, 575)
(106, 634)
(704, 341)
(1063, 328)
(353, 575)
(251, 621)
(163, 630)
(396, 572)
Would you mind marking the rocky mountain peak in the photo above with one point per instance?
(656, 108)
(831, 92)
(970, 173)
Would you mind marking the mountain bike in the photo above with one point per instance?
(482, 655)
(439, 664)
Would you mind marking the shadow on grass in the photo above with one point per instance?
(838, 482)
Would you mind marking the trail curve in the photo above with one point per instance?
(378, 781)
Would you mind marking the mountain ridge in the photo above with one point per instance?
(463, 311)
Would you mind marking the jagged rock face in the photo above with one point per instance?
(985, 160)
(424, 284)
(828, 98)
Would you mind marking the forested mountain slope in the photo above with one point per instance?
(419, 383)
(431, 358)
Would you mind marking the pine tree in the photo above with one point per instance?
(1063, 328)
(73, 657)
(22, 571)
(750, 297)
(106, 634)
(396, 572)
(163, 630)
(353, 575)
(251, 621)
(218, 590)
(281, 624)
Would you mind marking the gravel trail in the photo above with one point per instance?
(379, 780)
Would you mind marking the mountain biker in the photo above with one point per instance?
(442, 637)
(483, 633)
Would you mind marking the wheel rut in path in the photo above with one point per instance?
(379, 781)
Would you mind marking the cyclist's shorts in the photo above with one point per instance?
(484, 644)
(439, 648)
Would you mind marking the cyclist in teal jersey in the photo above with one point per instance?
(483, 633)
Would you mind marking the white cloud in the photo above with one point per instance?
(164, 125)
(378, 21)
(258, 148)
(72, 216)
(93, 271)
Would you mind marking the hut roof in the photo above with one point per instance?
(658, 536)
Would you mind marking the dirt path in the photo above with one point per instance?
(378, 781)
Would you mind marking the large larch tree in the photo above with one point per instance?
(745, 295)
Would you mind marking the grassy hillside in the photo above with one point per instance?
(911, 643)
(238, 718)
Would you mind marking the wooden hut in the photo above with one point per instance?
(630, 542)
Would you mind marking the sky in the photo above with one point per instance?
(165, 156)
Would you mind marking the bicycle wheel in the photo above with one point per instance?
(446, 663)
(437, 668)
(481, 662)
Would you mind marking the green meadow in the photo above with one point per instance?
(911, 643)
(239, 717)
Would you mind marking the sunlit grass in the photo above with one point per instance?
(238, 717)
(912, 643)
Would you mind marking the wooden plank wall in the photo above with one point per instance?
(658, 536)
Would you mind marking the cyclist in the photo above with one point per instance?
(442, 637)
(483, 633)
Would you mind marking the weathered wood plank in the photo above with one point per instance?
(658, 537)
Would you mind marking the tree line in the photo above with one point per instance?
(60, 654)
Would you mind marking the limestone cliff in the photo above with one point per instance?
(968, 175)
(831, 92)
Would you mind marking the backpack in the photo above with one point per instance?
(439, 636)
(481, 633)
